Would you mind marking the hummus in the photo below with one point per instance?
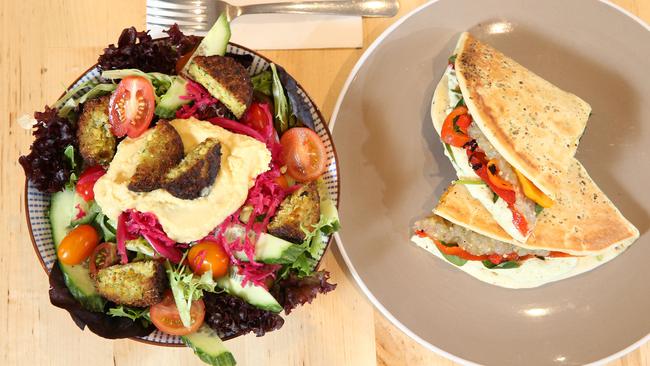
(242, 159)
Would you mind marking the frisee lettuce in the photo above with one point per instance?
(131, 313)
(187, 287)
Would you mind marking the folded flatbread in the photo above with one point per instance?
(584, 223)
(525, 125)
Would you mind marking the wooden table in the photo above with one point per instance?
(44, 45)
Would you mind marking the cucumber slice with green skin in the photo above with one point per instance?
(171, 101)
(209, 347)
(77, 278)
(254, 295)
(268, 248)
(91, 209)
(214, 43)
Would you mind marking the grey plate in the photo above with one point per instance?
(393, 171)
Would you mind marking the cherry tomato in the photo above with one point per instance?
(78, 245)
(208, 255)
(166, 318)
(87, 181)
(449, 134)
(258, 116)
(104, 255)
(303, 153)
(131, 106)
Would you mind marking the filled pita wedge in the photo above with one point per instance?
(504, 125)
(582, 231)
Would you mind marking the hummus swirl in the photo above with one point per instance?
(242, 159)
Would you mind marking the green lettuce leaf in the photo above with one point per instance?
(281, 104)
(263, 82)
(67, 109)
(104, 225)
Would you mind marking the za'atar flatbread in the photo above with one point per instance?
(598, 236)
(522, 130)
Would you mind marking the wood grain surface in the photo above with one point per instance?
(44, 45)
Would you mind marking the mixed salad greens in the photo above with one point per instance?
(124, 276)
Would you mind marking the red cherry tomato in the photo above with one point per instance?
(104, 255)
(208, 255)
(303, 153)
(131, 106)
(78, 245)
(87, 181)
(166, 318)
(258, 116)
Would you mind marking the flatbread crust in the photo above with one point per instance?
(533, 124)
(582, 222)
(533, 272)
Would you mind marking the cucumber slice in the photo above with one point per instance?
(210, 349)
(214, 43)
(77, 277)
(254, 295)
(171, 101)
(268, 248)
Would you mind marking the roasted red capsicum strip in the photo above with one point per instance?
(453, 133)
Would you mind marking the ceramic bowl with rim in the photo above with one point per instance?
(387, 143)
(37, 203)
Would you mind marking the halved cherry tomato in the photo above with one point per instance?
(493, 175)
(166, 318)
(303, 153)
(131, 106)
(259, 117)
(449, 134)
(87, 181)
(208, 255)
(104, 255)
(78, 245)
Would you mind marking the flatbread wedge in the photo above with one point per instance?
(584, 224)
(528, 121)
(533, 124)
